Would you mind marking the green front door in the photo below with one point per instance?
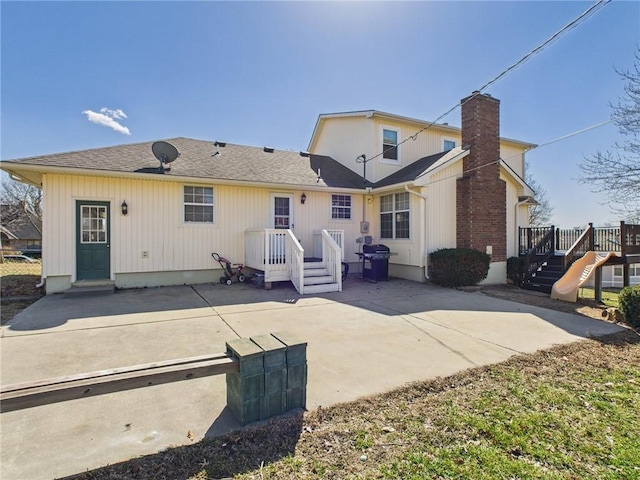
(92, 240)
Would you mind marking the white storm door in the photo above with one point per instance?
(282, 211)
(281, 219)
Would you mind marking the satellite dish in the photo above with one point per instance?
(165, 153)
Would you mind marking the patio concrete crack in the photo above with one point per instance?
(215, 311)
(464, 333)
(403, 315)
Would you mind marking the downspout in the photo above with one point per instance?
(525, 201)
(424, 239)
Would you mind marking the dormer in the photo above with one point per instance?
(391, 142)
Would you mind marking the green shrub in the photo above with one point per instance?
(629, 301)
(459, 267)
(515, 270)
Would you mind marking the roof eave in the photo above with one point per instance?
(42, 169)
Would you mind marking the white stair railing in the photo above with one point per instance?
(295, 262)
(338, 237)
(332, 256)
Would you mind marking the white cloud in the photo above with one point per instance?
(107, 118)
(113, 113)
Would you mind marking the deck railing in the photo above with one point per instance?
(277, 253)
(630, 239)
(606, 239)
(582, 245)
(530, 238)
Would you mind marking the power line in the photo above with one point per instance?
(569, 135)
(558, 139)
(569, 26)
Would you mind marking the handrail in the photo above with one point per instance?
(295, 261)
(332, 256)
(581, 246)
(530, 238)
(540, 253)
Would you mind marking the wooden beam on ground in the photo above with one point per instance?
(71, 387)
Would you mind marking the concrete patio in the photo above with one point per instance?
(368, 339)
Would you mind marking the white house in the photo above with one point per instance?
(409, 184)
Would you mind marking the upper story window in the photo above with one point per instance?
(390, 144)
(198, 204)
(448, 145)
(394, 215)
(341, 207)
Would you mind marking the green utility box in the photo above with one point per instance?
(271, 378)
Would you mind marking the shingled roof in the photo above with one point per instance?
(18, 224)
(211, 161)
(411, 171)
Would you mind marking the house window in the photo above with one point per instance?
(390, 144)
(634, 270)
(198, 204)
(448, 145)
(93, 224)
(341, 207)
(394, 216)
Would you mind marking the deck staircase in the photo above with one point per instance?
(546, 275)
(317, 279)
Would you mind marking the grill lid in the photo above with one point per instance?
(375, 248)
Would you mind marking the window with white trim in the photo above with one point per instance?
(198, 204)
(389, 144)
(341, 207)
(394, 215)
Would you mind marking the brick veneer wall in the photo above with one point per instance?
(481, 211)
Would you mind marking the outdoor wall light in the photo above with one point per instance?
(303, 198)
(124, 207)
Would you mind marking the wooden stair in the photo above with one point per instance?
(549, 273)
(317, 279)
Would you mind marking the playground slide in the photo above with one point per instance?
(579, 272)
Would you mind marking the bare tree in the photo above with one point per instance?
(539, 215)
(21, 200)
(616, 173)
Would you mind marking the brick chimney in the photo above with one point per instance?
(481, 221)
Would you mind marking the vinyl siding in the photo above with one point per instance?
(155, 223)
(512, 217)
(346, 138)
(514, 157)
(441, 207)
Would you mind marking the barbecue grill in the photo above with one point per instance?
(375, 262)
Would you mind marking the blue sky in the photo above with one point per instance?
(259, 73)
